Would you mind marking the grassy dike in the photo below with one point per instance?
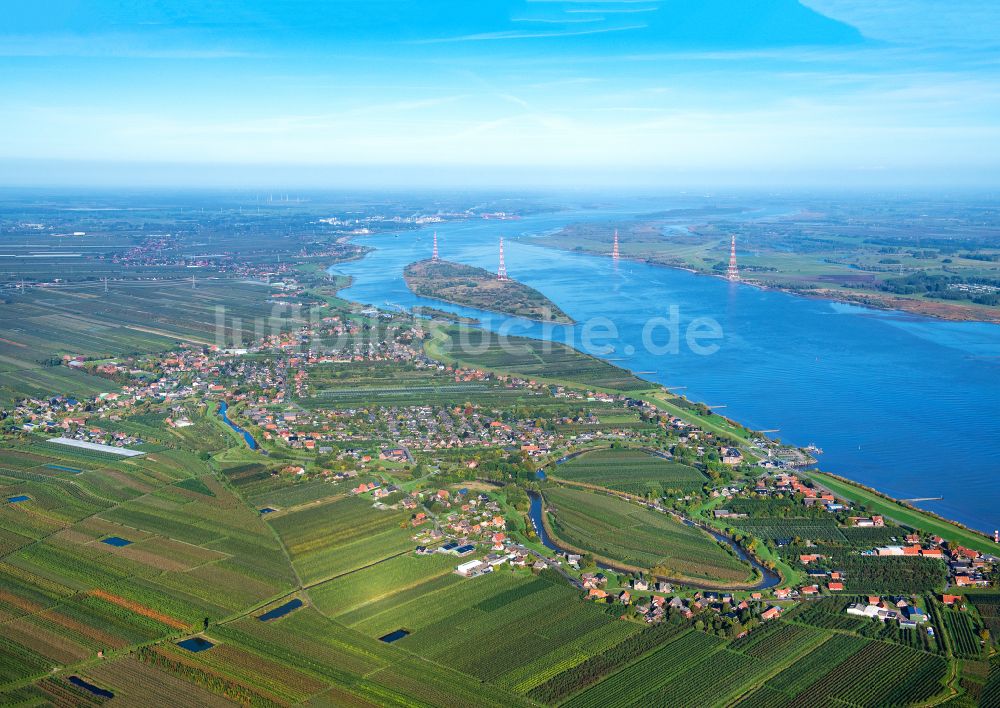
(713, 423)
(901, 513)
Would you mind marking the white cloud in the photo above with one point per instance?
(973, 24)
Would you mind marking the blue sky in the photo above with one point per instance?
(699, 92)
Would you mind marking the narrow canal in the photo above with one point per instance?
(223, 408)
(768, 577)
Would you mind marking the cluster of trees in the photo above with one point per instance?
(919, 283)
(709, 462)
(747, 541)
(728, 627)
(939, 286)
(868, 574)
(517, 497)
(502, 467)
(987, 299)
(878, 575)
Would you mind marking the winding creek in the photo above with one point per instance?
(223, 409)
(769, 578)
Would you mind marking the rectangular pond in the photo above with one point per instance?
(18, 499)
(195, 644)
(62, 468)
(394, 636)
(86, 685)
(277, 612)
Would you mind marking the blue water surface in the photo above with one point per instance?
(906, 404)
(116, 541)
(281, 611)
(223, 409)
(62, 468)
(394, 636)
(195, 644)
(86, 685)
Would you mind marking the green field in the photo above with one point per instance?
(694, 669)
(44, 324)
(987, 604)
(632, 535)
(631, 471)
(195, 552)
(847, 670)
(391, 384)
(381, 583)
(327, 540)
(963, 633)
(531, 358)
(514, 631)
(816, 530)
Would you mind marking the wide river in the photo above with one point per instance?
(906, 404)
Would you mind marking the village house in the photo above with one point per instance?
(730, 456)
(726, 514)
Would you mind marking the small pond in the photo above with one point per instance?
(61, 468)
(116, 541)
(96, 690)
(195, 644)
(281, 611)
(393, 636)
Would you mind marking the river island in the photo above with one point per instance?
(475, 287)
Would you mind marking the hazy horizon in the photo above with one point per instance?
(519, 92)
(72, 175)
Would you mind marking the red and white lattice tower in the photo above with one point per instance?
(733, 273)
(435, 256)
(996, 537)
(614, 249)
(502, 270)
